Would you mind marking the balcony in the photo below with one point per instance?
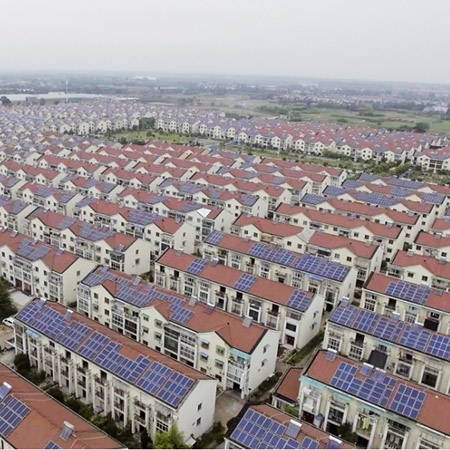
(272, 319)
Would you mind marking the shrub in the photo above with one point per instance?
(56, 393)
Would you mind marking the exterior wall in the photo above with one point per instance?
(317, 398)
(399, 358)
(417, 312)
(57, 360)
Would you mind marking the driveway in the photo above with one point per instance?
(20, 299)
(227, 407)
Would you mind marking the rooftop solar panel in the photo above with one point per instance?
(377, 392)
(408, 401)
(197, 266)
(245, 282)
(12, 413)
(299, 300)
(322, 267)
(409, 291)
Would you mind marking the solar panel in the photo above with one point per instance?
(299, 300)
(245, 282)
(408, 401)
(197, 266)
(410, 292)
(374, 391)
(52, 445)
(215, 237)
(403, 333)
(255, 430)
(322, 267)
(309, 443)
(12, 413)
(74, 335)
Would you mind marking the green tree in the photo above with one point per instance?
(56, 393)
(145, 439)
(422, 127)
(170, 439)
(22, 363)
(7, 307)
(5, 101)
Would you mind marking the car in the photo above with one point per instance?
(9, 322)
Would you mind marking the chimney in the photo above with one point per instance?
(68, 314)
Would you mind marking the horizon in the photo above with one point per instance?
(349, 40)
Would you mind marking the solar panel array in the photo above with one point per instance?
(436, 199)
(402, 333)
(197, 266)
(322, 267)
(376, 389)
(299, 300)
(32, 251)
(408, 401)
(274, 254)
(375, 199)
(409, 291)
(154, 377)
(255, 430)
(245, 282)
(334, 191)
(313, 199)
(136, 296)
(52, 445)
(215, 237)
(12, 412)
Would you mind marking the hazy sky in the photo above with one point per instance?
(403, 40)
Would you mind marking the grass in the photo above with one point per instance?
(376, 119)
(299, 355)
(147, 135)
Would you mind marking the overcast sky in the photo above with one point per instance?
(398, 40)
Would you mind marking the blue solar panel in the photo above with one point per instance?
(74, 335)
(322, 267)
(408, 401)
(309, 443)
(370, 389)
(12, 412)
(299, 300)
(215, 237)
(403, 333)
(93, 345)
(255, 430)
(197, 266)
(181, 315)
(408, 291)
(52, 445)
(245, 282)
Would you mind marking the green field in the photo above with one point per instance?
(143, 135)
(394, 119)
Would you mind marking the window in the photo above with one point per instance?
(430, 377)
(370, 304)
(220, 350)
(219, 364)
(204, 344)
(334, 342)
(158, 323)
(199, 407)
(199, 421)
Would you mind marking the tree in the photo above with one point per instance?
(22, 363)
(56, 393)
(5, 101)
(170, 439)
(145, 439)
(7, 307)
(422, 127)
